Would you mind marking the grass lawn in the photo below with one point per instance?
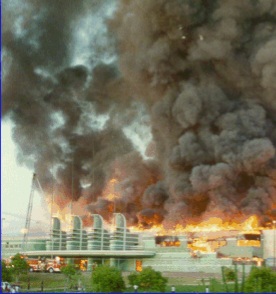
(52, 282)
(56, 282)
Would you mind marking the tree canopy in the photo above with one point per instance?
(19, 265)
(71, 274)
(261, 279)
(107, 279)
(69, 271)
(5, 272)
(148, 279)
(229, 274)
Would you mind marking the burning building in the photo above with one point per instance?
(197, 249)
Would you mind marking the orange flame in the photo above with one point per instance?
(109, 191)
(213, 224)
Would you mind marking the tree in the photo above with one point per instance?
(149, 280)
(70, 272)
(230, 274)
(261, 279)
(5, 272)
(19, 266)
(107, 279)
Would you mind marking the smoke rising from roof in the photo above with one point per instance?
(198, 74)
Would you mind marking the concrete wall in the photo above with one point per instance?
(183, 262)
(269, 243)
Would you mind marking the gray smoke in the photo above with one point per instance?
(200, 74)
(206, 69)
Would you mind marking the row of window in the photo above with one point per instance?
(12, 246)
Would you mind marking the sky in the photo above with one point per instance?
(16, 183)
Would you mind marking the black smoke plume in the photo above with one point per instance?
(200, 75)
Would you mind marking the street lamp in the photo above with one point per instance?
(135, 288)
(274, 245)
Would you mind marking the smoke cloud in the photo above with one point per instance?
(172, 99)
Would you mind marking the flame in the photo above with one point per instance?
(139, 265)
(110, 195)
(65, 217)
(246, 243)
(109, 191)
(213, 224)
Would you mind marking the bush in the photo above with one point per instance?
(261, 279)
(229, 273)
(149, 280)
(107, 279)
(5, 272)
(19, 266)
(71, 273)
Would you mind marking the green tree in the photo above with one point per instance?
(19, 266)
(229, 273)
(260, 279)
(149, 280)
(107, 279)
(5, 272)
(71, 273)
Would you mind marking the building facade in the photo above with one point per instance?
(90, 247)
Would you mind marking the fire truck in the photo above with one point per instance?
(45, 265)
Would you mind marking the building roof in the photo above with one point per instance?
(92, 253)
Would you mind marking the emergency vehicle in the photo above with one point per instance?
(45, 265)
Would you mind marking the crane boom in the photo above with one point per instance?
(29, 213)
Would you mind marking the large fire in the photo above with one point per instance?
(209, 235)
(203, 237)
(199, 234)
(213, 224)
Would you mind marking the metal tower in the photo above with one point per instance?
(29, 213)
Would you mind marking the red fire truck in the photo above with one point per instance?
(45, 265)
